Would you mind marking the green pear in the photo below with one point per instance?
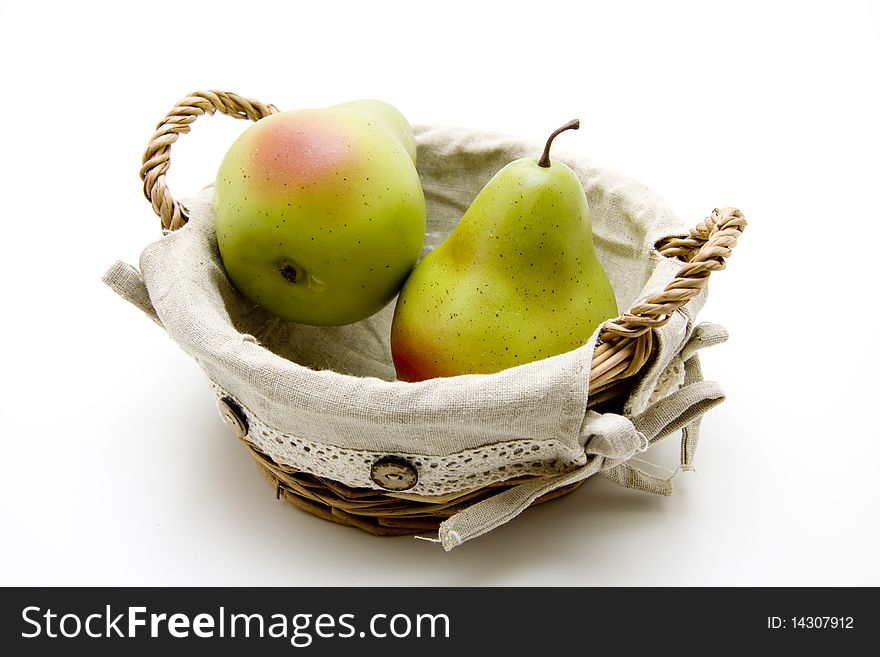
(320, 214)
(517, 280)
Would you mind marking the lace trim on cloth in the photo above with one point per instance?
(437, 475)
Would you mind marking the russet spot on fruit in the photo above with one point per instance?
(312, 150)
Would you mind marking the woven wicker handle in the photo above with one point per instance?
(626, 343)
(705, 250)
(157, 156)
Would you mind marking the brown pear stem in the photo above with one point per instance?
(574, 124)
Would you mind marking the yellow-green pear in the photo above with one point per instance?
(320, 213)
(516, 281)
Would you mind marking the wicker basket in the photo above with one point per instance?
(625, 345)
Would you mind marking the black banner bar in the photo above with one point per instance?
(390, 621)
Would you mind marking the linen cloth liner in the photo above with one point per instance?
(335, 386)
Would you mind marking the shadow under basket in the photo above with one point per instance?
(636, 381)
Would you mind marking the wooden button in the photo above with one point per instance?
(233, 417)
(394, 473)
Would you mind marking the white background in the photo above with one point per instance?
(116, 468)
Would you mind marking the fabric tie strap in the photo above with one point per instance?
(610, 440)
